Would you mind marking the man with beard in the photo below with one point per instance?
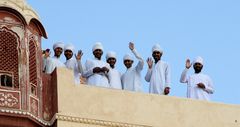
(199, 86)
(114, 75)
(73, 63)
(96, 71)
(131, 79)
(54, 62)
(158, 73)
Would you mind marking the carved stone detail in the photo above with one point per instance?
(8, 100)
(96, 122)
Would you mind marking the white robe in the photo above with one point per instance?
(131, 79)
(52, 63)
(95, 79)
(77, 68)
(193, 91)
(159, 77)
(114, 78)
(45, 62)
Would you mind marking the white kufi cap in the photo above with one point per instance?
(111, 54)
(69, 47)
(127, 57)
(58, 45)
(97, 45)
(157, 47)
(198, 60)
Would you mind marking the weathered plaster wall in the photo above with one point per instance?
(91, 106)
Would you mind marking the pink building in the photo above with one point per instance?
(26, 97)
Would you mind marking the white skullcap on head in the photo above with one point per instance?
(157, 47)
(97, 45)
(127, 57)
(58, 44)
(111, 54)
(69, 47)
(198, 60)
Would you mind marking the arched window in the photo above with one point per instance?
(9, 58)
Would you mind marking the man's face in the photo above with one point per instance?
(98, 53)
(128, 63)
(68, 54)
(198, 67)
(156, 55)
(58, 51)
(111, 61)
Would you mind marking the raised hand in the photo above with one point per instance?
(131, 45)
(188, 63)
(149, 62)
(79, 55)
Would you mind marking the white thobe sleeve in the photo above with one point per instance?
(148, 75)
(44, 64)
(88, 71)
(80, 67)
(183, 78)
(140, 64)
(167, 76)
(50, 66)
(209, 87)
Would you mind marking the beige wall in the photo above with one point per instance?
(96, 107)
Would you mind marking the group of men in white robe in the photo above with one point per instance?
(104, 74)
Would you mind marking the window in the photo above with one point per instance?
(6, 80)
(9, 58)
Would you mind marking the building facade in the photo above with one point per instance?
(21, 77)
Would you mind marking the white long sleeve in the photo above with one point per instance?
(140, 64)
(183, 78)
(88, 69)
(209, 87)
(148, 75)
(80, 67)
(167, 76)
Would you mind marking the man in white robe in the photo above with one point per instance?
(45, 57)
(96, 70)
(199, 85)
(73, 63)
(114, 75)
(158, 73)
(131, 79)
(54, 62)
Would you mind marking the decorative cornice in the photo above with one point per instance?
(25, 113)
(80, 120)
(96, 122)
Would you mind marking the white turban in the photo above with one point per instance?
(69, 47)
(198, 60)
(58, 45)
(111, 54)
(97, 45)
(157, 47)
(127, 57)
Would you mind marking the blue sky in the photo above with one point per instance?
(184, 28)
